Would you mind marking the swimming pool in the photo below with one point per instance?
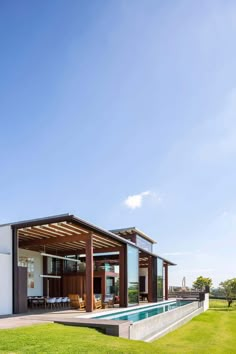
(139, 314)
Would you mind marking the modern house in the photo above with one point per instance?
(59, 255)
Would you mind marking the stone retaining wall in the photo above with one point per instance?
(151, 326)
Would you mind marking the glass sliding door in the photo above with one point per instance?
(133, 275)
(159, 279)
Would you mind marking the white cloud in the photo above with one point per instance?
(136, 200)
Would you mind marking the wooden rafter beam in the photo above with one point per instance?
(50, 241)
(96, 250)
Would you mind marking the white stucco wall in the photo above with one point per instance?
(38, 269)
(144, 272)
(5, 270)
(206, 302)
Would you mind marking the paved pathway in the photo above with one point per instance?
(13, 321)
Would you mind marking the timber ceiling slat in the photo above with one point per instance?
(52, 240)
(103, 243)
(27, 237)
(58, 231)
(59, 247)
(43, 233)
(35, 234)
(47, 232)
(40, 231)
(51, 231)
(106, 240)
(95, 240)
(96, 244)
(51, 237)
(77, 243)
(100, 245)
(72, 244)
(78, 228)
(65, 229)
(70, 233)
(72, 228)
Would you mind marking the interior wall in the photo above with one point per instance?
(73, 284)
(144, 272)
(6, 270)
(38, 270)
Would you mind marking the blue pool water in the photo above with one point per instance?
(139, 314)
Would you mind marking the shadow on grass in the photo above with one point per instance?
(229, 309)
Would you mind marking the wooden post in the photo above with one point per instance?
(123, 277)
(150, 277)
(103, 285)
(166, 281)
(89, 273)
(45, 280)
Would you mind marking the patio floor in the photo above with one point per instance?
(41, 316)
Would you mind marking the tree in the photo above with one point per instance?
(200, 283)
(218, 292)
(229, 288)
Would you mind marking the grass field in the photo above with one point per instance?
(212, 332)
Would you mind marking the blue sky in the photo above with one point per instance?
(124, 113)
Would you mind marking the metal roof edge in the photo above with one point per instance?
(71, 217)
(139, 232)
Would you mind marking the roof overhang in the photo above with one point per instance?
(64, 233)
(133, 230)
(67, 234)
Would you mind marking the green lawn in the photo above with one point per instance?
(211, 332)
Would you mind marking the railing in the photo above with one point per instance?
(190, 295)
(80, 268)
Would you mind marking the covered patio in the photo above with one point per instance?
(71, 256)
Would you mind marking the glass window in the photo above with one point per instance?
(110, 289)
(141, 242)
(159, 279)
(133, 275)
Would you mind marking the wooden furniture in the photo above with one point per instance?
(76, 301)
(109, 300)
(143, 296)
(97, 304)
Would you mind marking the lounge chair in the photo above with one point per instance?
(76, 301)
(97, 303)
(110, 300)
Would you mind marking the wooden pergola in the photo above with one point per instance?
(66, 235)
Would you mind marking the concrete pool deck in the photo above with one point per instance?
(147, 329)
(41, 316)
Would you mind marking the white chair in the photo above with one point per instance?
(51, 302)
(65, 301)
(58, 301)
